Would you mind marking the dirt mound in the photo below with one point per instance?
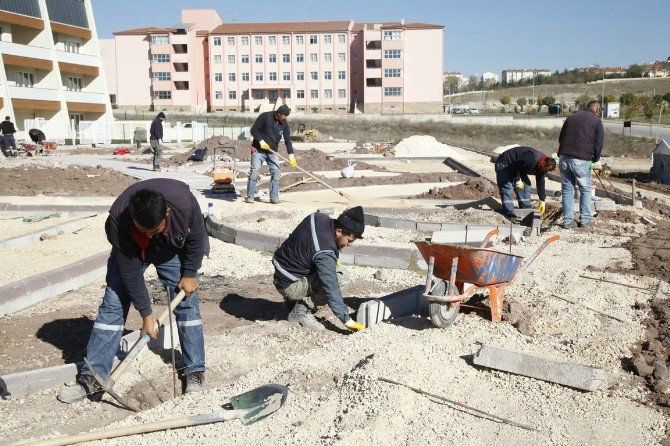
(314, 159)
(242, 151)
(621, 216)
(72, 180)
(474, 188)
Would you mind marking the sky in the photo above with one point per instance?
(479, 36)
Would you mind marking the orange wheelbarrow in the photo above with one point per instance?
(455, 273)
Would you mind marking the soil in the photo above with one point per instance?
(97, 150)
(405, 178)
(316, 160)
(57, 181)
(622, 216)
(474, 188)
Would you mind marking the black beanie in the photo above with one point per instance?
(353, 219)
(284, 110)
(161, 115)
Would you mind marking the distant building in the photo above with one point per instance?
(657, 68)
(490, 78)
(512, 75)
(615, 71)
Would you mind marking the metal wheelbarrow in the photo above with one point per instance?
(455, 273)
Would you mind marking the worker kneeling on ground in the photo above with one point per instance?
(307, 273)
(512, 169)
(157, 222)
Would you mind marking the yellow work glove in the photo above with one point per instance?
(519, 185)
(292, 161)
(354, 326)
(596, 167)
(541, 207)
(264, 145)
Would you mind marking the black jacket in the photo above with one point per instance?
(522, 161)
(582, 136)
(7, 128)
(268, 129)
(156, 131)
(37, 135)
(185, 235)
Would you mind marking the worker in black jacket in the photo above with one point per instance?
(37, 136)
(7, 129)
(155, 137)
(157, 222)
(307, 274)
(512, 169)
(581, 142)
(267, 131)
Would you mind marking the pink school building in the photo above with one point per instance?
(203, 64)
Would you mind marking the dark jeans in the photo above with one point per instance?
(505, 179)
(8, 141)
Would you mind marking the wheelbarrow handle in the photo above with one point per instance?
(488, 237)
(532, 258)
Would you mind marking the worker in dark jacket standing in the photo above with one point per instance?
(157, 222)
(581, 142)
(307, 274)
(512, 169)
(267, 132)
(7, 129)
(155, 137)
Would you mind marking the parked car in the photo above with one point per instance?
(474, 111)
(456, 111)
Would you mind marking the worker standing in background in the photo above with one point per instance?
(7, 129)
(581, 142)
(267, 132)
(155, 136)
(307, 271)
(512, 169)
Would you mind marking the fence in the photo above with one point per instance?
(52, 132)
(94, 132)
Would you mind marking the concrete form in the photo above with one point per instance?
(400, 304)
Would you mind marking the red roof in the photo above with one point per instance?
(397, 25)
(281, 27)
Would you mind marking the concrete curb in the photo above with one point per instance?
(27, 239)
(10, 209)
(26, 292)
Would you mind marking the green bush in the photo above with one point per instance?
(505, 100)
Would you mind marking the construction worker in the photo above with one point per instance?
(581, 142)
(307, 271)
(267, 132)
(155, 136)
(512, 169)
(159, 222)
(37, 136)
(7, 129)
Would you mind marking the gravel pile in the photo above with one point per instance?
(423, 145)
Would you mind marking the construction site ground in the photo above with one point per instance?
(335, 396)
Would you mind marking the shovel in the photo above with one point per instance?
(248, 407)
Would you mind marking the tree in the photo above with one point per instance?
(521, 102)
(505, 100)
(610, 98)
(666, 97)
(582, 101)
(657, 99)
(531, 101)
(649, 110)
(627, 99)
(635, 70)
(548, 100)
(472, 83)
(451, 84)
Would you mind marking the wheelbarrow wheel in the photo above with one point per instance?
(442, 315)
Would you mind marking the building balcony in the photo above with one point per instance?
(73, 68)
(70, 30)
(77, 58)
(86, 97)
(373, 73)
(35, 98)
(157, 85)
(21, 20)
(161, 48)
(28, 62)
(179, 39)
(16, 49)
(179, 57)
(270, 85)
(373, 54)
(181, 76)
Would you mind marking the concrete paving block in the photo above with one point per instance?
(452, 227)
(383, 262)
(400, 304)
(559, 372)
(428, 226)
(21, 384)
(371, 220)
(387, 222)
(347, 258)
(604, 205)
(327, 211)
(403, 223)
(648, 222)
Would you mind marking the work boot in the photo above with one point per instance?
(86, 386)
(195, 382)
(304, 317)
(274, 200)
(588, 224)
(569, 225)
(157, 168)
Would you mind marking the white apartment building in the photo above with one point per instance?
(512, 75)
(50, 65)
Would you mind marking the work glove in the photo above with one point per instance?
(541, 207)
(264, 145)
(292, 161)
(520, 185)
(354, 326)
(596, 167)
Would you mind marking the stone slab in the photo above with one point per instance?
(400, 304)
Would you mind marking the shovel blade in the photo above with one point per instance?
(260, 402)
(108, 386)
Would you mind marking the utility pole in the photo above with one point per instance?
(602, 99)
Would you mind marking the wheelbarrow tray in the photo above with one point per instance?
(479, 266)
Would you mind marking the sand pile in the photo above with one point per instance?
(474, 188)
(423, 145)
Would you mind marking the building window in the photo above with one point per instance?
(259, 77)
(286, 40)
(70, 46)
(341, 75)
(286, 58)
(327, 75)
(272, 58)
(341, 38)
(162, 76)
(163, 94)
(392, 35)
(244, 41)
(159, 39)
(232, 77)
(328, 94)
(232, 95)
(392, 54)
(327, 38)
(299, 40)
(231, 58)
(286, 76)
(314, 75)
(273, 76)
(245, 94)
(300, 75)
(272, 40)
(162, 58)
(217, 41)
(218, 59)
(328, 57)
(258, 40)
(392, 72)
(314, 94)
(259, 95)
(74, 83)
(274, 94)
(218, 77)
(313, 39)
(287, 94)
(245, 77)
(341, 93)
(231, 41)
(341, 57)
(300, 94)
(218, 94)
(258, 58)
(245, 58)
(313, 57)
(299, 57)
(392, 91)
